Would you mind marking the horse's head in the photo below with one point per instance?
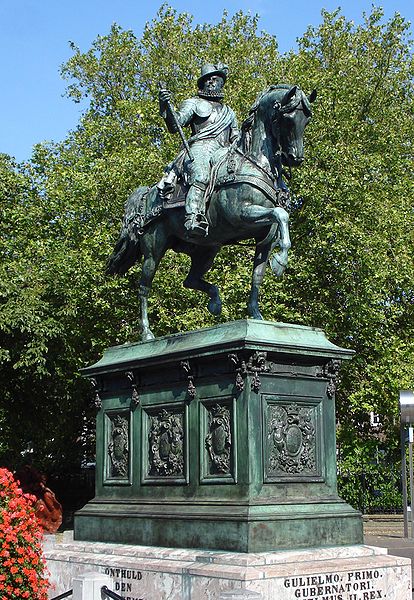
(290, 113)
(279, 115)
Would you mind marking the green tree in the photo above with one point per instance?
(73, 206)
(36, 363)
(351, 268)
(353, 225)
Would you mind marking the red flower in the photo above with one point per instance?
(22, 572)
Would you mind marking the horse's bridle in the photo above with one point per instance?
(295, 103)
(279, 111)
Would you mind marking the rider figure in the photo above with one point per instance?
(213, 126)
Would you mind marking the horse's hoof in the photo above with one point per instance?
(214, 307)
(255, 314)
(278, 265)
(147, 335)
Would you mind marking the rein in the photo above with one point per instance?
(265, 183)
(273, 177)
(268, 181)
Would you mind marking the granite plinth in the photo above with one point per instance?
(221, 438)
(148, 573)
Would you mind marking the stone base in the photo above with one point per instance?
(154, 573)
(234, 528)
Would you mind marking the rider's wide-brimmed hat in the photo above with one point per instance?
(209, 69)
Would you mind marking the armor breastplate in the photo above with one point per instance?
(205, 112)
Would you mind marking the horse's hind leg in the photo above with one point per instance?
(153, 247)
(202, 259)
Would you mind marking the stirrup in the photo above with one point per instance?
(196, 225)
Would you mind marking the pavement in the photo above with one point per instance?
(387, 531)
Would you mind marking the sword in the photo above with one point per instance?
(177, 125)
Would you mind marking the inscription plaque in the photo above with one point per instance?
(127, 582)
(353, 585)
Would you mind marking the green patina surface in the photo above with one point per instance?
(222, 438)
(249, 334)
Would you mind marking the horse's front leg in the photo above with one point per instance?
(259, 266)
(146, 333)
(279, 261)
(268, 216)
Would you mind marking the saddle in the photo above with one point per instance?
(174, 186)
(226, 169)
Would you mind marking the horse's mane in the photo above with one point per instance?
(245, 139)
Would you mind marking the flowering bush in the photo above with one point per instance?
(22, 569)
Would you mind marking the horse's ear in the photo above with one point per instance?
(289, 95)
(312, 96)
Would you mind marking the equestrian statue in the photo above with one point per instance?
(226, 185)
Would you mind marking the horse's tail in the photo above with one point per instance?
(127, 249)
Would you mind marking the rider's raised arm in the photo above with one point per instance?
(184, 114)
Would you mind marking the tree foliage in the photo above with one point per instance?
(353, 227)
(351, 269)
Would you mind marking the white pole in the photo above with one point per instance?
(404, 479)
(410, 458)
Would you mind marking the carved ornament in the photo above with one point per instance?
(218, 439)
(291, 438)
(97, 387)
(135, 400)
(118, 447)
(255, 365)
(166, 444)
(191, 389)
(331, 372)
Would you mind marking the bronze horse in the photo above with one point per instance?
(247, 200)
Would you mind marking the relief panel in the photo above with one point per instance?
(293, 439)
(117, 447)
(165, 445)
(217, 441)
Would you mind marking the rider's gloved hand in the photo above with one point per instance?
(164, 95)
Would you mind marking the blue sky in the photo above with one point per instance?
(34, 36)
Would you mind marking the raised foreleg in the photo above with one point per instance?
(268, 216)
(202, 259)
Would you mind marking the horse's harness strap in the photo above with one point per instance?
(257, 182)
(265, 172)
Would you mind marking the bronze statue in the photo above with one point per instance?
(213, 127)
(245, 194)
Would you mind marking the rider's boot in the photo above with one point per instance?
(196, 222)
